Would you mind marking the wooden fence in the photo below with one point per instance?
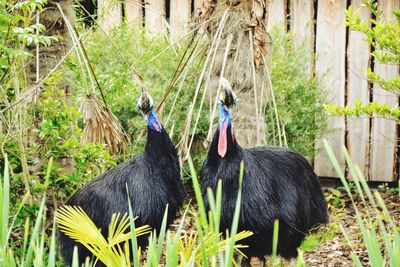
(342, 59)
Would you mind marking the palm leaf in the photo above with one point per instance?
(75, 223)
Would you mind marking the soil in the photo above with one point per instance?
(335, 251)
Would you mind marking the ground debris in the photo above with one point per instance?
(337, 252)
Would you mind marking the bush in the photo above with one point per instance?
(120, 90)
(299, 97)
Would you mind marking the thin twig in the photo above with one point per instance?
(91, 67)
(273, 101)
(136, 76)
(212, 115)
(33, 88)
(177, 74)
(216, 40)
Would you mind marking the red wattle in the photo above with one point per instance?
(156, 126)
(222, 141)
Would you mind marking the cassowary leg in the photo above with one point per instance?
(288, 262)
(253, 262)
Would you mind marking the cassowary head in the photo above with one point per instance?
(146, 106)
(227, 99)
(145, 103)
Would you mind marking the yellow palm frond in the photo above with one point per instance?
(189, 245)
(75, 223)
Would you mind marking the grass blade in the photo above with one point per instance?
(4, 205)
(52, 249)
(75, 258)
(275, 238)
(235, 221)
(163, 229)
(197, 191)
(35, 233)
(133, 232)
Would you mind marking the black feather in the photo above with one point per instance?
(153, 180)
(277, 184)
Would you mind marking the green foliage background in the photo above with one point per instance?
(299, 98)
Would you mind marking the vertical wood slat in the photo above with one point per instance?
(302, 27)
(179, 17)
(277, 14)
(357, 88)
(155, 15)
(133, 11)
(197, 3)
(383, 134)
(110, 13)
(330, 64)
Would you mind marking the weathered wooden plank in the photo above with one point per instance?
(277, 14)
(358, 57)
(302, 28)
(330, 64)
(155, 15)
(383, 132)
(179, 17)
(110, 13)
(197, 3)
(133, 12)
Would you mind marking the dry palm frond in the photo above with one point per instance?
(204, 11)
(237, 44)
(259, 42)
(101, 125)
(76, 224)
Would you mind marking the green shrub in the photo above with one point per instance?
(299, 98)
(120, 90)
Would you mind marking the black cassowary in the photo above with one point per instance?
(153, 179)
(277, 184)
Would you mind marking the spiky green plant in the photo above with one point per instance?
(200, 248)
(35, 250)
(380, 233)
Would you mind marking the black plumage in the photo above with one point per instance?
(153, 179)
(277, 184)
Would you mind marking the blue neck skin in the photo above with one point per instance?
(224, 115)
(153, 122)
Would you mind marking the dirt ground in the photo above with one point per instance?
(334, 251)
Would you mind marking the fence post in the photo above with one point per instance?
(302, 27)
(155, 15)
(109, 13)
(383, 134)
(277, 14)
(179, 17)
(330, 64)
(357, 88)
(133, 12)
